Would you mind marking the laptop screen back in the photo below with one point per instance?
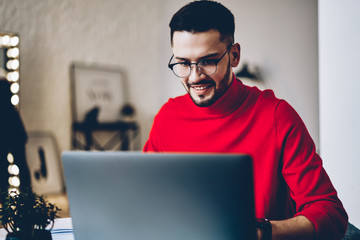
(139, 196)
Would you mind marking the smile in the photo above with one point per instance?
(201, 87)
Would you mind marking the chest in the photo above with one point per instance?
(232, 133)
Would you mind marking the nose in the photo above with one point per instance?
(195, 75)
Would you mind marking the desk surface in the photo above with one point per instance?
(62, 230)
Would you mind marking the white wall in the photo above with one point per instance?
(339, 85)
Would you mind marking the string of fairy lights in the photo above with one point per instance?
(14, 171)
(10, 42)
(10, 59)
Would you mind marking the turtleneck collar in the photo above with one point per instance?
(226, 104)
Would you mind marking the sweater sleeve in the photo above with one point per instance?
(149, 146)
(308, 183)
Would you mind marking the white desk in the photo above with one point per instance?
(62, 230)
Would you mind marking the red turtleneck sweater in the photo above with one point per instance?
(289, 179)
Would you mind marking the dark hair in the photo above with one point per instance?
(201, 16)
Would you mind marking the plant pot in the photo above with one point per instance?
(41, 234)
(37, 234)
(17, 236)
(11, 237)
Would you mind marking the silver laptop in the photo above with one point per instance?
(139, 196)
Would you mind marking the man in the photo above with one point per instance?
(220, 114)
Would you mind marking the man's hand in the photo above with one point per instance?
(298, 227)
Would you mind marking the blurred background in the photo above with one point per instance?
(303, 50)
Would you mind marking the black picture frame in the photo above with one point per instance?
(95, 86)
(43, 159)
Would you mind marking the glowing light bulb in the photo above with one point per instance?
(13, 169)
(13, 53)
(15, 88)
(10, 158)
(14, 181)
(15, 100)
(13, 76)
(5, 40)
(13, 64)
(14, 41)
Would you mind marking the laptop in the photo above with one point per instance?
(157, 196)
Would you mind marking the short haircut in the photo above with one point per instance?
(202, 16)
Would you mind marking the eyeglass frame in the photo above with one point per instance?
(216, 61)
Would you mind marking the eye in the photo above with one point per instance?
(207, 62)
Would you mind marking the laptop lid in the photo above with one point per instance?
(143, 196)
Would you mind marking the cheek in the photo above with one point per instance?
(220, 72)
(219, 77)
(224, 72)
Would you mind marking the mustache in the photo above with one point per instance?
(205, 81)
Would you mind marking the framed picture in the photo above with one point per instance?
(97, 87)
(43, 159)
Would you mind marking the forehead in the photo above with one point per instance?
(195, 45)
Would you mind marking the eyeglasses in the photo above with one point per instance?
(206, 66)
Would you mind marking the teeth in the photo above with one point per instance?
(201, 87)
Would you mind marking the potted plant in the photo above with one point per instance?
(26, 215)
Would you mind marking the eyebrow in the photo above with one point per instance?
(201, 58)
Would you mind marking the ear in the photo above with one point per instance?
(235, 52)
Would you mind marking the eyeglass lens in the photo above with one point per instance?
(205, 67)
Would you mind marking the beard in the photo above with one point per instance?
(207, 100)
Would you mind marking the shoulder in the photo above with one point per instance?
(253, 92)
(261, 100)
(267, 100)
(286, 113)
(278, 112)
(268, 96)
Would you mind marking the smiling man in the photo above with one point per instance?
(294, 197)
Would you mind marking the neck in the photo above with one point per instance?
(228, 102)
